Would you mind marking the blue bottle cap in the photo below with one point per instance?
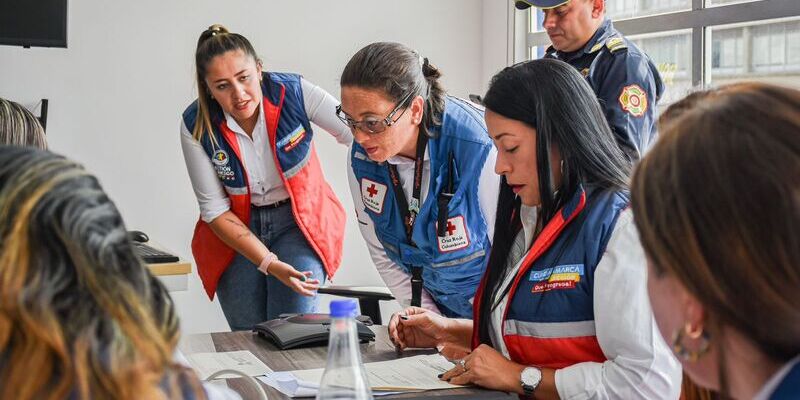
(344, 308)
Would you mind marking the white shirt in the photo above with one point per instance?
(395, 277)
(639, 364)
(266, 185)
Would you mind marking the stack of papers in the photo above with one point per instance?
(409, 374)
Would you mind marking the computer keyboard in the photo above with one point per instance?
(152, 255)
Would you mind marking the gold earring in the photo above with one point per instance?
(698, 333)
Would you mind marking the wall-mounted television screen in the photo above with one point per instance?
(41, 23)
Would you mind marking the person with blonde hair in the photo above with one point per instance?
(271, 228)
(80, 315)
(717, 204)
(19, 127)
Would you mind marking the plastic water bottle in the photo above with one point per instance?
(344, 376)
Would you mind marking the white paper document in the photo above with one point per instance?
(385, 377)
(206, 364)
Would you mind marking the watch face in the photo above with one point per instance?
(531, 376)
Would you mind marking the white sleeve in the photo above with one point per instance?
(488, 192)
(321, 110)
(639, 365)
(210, 194)
(395, 278)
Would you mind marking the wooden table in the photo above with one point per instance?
(314, 357)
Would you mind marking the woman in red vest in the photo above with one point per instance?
(562, 311)
(270, 228)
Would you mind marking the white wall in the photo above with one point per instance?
(117, 92)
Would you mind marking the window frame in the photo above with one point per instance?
(700, 18)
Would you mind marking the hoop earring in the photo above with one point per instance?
(680, 349)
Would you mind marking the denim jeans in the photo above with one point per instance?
(249, 297)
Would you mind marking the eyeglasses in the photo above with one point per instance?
(373, 125)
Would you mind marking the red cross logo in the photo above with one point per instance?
(450, 228)
(372, 190)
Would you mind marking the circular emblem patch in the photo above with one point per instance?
(633, 99)
(220, 157)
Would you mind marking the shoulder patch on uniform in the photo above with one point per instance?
(616, 44)
(596, 47)
(633, 99)
(373, 194)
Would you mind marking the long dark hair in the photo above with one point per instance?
(80, 315)
(553, 98)
(397, 70)
(717, 205)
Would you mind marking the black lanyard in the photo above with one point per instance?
(410, 211)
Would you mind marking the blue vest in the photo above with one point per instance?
(789, 388)
(549, 320)
(452, 264)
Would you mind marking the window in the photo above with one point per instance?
(765, 50)
(697, 42)
(672, 54)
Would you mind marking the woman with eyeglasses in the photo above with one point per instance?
(270, 228)
(421, 176)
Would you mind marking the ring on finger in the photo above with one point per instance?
(463, 364)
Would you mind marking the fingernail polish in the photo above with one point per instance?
(440, 376)
(404, 318)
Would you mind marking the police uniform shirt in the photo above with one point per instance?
(626, 83)
(266, 185)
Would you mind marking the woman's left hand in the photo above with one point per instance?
(488, 368)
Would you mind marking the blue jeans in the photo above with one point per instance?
(249, 297)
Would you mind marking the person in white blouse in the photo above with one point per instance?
(717, 203)
(420, 176)
(270, 229)
(562, 311)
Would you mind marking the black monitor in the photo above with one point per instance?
(40, 23)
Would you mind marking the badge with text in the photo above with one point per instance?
(373, 194)
(633, 99)
(295, 138)
(455, 236)
(557, 278)
(220, 160)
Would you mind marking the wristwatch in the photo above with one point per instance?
(530, 378)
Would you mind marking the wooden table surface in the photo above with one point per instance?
(314, 357)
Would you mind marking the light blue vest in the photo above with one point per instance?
(452, 264)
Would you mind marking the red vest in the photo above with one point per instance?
(316, 209)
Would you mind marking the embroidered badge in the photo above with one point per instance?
(373, 194)
(220, 157)
(455, 236)
(295, 138)
(633, 99)
(556, 278)
(585, 72)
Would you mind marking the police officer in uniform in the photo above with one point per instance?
(624, 78)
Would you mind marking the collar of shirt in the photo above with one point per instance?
(605, 30)
(234, 126)
(766, 391)
(402, 160)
